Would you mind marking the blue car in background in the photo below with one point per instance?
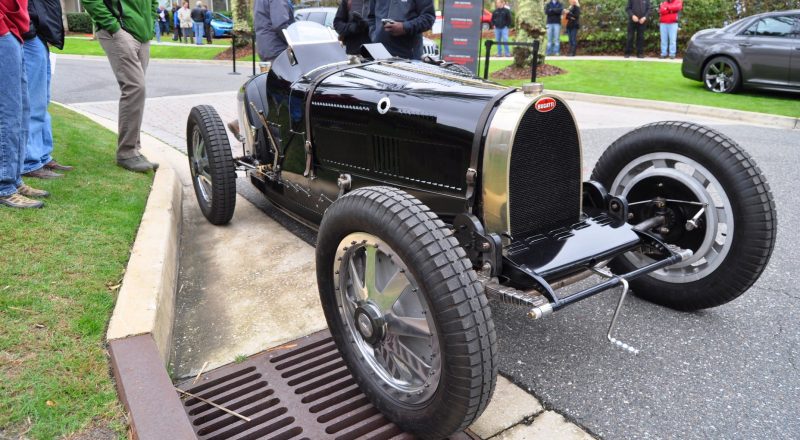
(222, 25)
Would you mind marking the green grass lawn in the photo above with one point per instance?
(657, 81)
(59, 269)
(80, 46)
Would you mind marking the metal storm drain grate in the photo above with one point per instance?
(302, 392)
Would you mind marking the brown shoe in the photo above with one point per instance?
(17, 200)
(53, 165)
(43, 173)
(28, 191)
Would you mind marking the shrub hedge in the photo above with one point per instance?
(79, 22)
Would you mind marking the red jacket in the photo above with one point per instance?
(669, 11)
(14, 17)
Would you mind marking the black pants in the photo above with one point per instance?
(637, 30)
(208, 30)
(573, 40)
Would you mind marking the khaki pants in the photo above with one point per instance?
(129, 59)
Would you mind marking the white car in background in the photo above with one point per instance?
(325, 16)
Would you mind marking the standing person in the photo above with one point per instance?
(399, 25)
(637, 11)
(352, 28)
(501, 20)
(176, 23)
(185, 18)
(553, 10)
(14, 22)
(157, 27)
(270, 19)
(573, 24)
(207, 29)
(46, 28)
(198, 22)
(668, 12)
(163, 25)
(124, 33)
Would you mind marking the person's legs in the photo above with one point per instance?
(550, 39)
(505, 39)
(198, 33)
(209, 32)
(125, 56)
(12, 145)
(629, 40)
(673, 39)
(37, 153)
(158, 31)
(663, 30)
(573, 40)
(557, 40)
(498, 37)
(640, 40)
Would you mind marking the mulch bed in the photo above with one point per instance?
(512, 72)
(227, 54)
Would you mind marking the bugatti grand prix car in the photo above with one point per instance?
(433, 190)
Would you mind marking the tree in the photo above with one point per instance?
(531, 25)
(243, 17)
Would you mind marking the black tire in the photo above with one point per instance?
(211, 164)
(722, 75)
(724, 267)
(462, 324)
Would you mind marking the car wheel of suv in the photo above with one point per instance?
(211, 164)
(722, 75)
(717, 203)
(406, 311)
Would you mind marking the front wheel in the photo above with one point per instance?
(716, 202)
(406, 311)
(211, 164)
(722, 75)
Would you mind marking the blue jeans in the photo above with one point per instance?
(553, 39)
(501, 35)
(40, 131)
(197, 26)
(669, 36)
(158, 31)
(14, 112)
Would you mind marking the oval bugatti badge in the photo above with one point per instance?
(544, 105)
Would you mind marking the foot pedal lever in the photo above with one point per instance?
(622, 297)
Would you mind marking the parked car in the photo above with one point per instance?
(222, 25)
(761, 51)
(325, 16)
(432, 190)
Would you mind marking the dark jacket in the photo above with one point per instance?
(553, 11)
(352, 28)
(501, 18)
(270, 18)
(46, 22)
(639, 8)
(417, 17)
(198, 15)
(574, 17)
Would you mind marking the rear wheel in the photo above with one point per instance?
(406, 310)
(716, 201)
(211, 164)
(722, 75)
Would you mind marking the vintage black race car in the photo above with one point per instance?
(432, 190)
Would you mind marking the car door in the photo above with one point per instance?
(767, 47)
(794, 73)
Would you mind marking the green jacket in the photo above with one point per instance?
(137, 17)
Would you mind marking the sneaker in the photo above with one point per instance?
(53, 165)
(43, 173)
(28, 191)
(138, 164)
(672, 57)
(17, 200)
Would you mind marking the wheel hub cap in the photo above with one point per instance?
(370, 324)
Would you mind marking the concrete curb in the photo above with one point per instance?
(777, 121)
(146, 301)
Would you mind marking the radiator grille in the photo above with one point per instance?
(545, 172)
